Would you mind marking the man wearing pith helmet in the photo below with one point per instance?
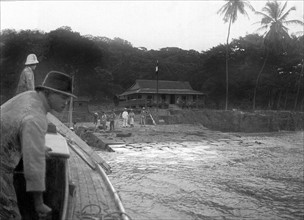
(23, 129)
(27, 79)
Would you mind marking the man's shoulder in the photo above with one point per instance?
(27, 71)
(20, 100)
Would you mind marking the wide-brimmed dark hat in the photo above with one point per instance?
(58, 82)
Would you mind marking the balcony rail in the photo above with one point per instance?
(139, 103)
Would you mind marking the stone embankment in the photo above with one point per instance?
(200, 122)
(237, 121)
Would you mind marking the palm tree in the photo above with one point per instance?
(299, 83)
(230, 11)
(274, 19)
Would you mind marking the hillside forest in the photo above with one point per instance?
(103, 67)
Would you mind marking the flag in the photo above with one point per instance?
(156, 68)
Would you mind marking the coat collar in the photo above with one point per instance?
(45, 103)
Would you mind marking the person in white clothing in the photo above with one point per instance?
(27, 79)
(125, 116)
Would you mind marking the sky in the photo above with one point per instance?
(151, 24)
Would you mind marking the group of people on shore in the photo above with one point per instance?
(100, 122)
(128, 119)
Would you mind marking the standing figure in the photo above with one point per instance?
(131, 117)
(23, 128)
(125, 115)
(112, 117)
(143, 114)
(104, 121)
(27, 79)
(96, 121)
(96, 117)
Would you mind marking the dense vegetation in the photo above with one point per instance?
(105, 67)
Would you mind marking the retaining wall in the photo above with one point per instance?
(238, 121)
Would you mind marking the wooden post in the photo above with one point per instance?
(157, 92)
(196, 100)
(71, 105)
(156, 71)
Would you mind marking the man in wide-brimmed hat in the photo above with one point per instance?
(23, 129)
(27, 79)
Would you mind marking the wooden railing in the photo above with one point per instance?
(138, 103)
(135, 103)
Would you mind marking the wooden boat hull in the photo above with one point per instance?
(73, 181)
(56, 195)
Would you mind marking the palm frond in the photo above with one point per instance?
(294, 22)
(223, 9)
(270, 9)
(283, 17)
(267, 20)
(248, 5)
(299, 33)
(243, 11)
(282, 9)
(263, 28)
(232, 7)
(257, 22)
(264, 15)
(273, 9)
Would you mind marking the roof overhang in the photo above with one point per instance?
(162, 91)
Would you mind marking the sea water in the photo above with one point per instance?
(203, 180)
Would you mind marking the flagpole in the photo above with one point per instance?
(156, 71)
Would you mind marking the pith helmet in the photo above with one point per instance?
(31, 59)
(57, 82)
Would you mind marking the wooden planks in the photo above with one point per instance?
(71, 136)
(91, 190)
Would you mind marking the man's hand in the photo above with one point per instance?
(47, 151)
(42, 209)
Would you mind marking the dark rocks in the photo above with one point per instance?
(123, 134)
(91, 139)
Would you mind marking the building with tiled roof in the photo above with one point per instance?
(145, 92)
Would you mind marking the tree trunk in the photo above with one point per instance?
(257, 80)
(297, 96)
(286, 97)
(270, 99)
(227, 57)
(279, 100)
(298, 90)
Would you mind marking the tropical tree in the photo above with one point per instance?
(230, 11)
(274, 21)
